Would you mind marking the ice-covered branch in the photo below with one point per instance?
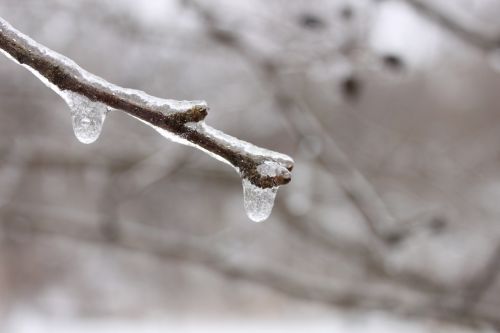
(90, 98)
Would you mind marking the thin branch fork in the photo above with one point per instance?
(467, 35)
(183, 122)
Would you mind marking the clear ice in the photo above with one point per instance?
(87, 116)
(258, 201)
(271, 169)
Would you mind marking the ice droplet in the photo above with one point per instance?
(258, 201)
(87, 116)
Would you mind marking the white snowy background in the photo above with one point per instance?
(379, 96)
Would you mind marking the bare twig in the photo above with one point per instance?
(64, 75)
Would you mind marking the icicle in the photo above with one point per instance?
(258, 201)
(87, 116)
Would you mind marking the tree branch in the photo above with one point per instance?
(180, 121)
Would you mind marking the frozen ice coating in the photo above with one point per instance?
(240, 145)
(87, 116)
(271, 169)
(258, 201)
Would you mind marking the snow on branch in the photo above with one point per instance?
(90, 98)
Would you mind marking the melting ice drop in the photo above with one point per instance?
(258, 201)
(87, 116)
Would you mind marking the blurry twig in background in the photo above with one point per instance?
(483, 281)
(123, 185)
(467, 35)
(355, 186)
(139, 239)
